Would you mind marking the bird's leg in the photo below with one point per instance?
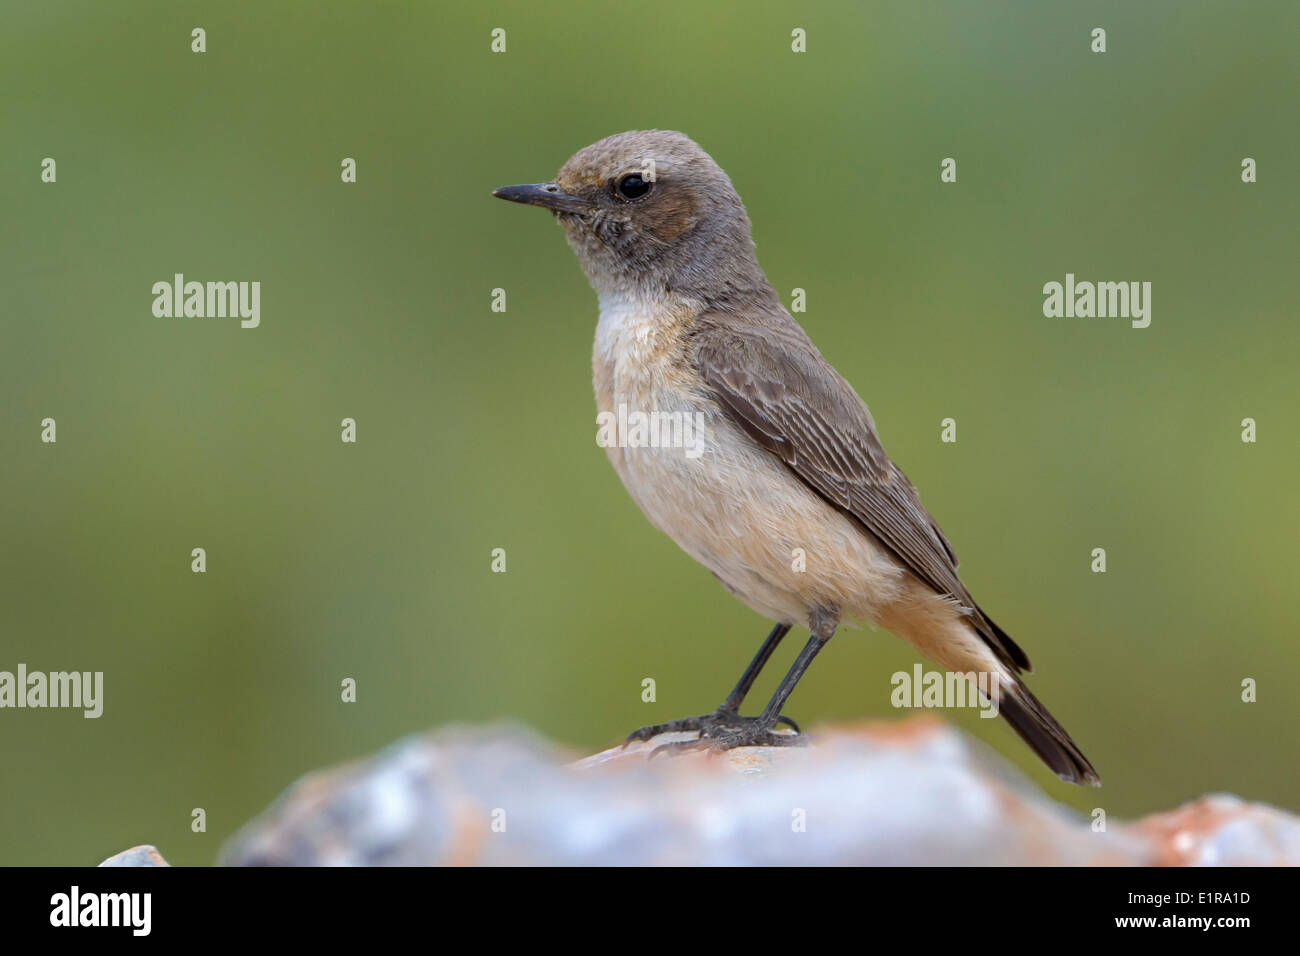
(737, 695)
(727, 716)
(758, 731)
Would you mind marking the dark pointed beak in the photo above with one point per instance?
(548, 195)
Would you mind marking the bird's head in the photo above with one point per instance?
(648, 211)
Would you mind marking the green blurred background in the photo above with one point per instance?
(476, 429)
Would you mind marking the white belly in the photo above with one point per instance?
(727, 502)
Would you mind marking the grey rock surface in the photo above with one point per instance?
(143, 855)
(914, 792)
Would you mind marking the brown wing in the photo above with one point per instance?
(777, 387)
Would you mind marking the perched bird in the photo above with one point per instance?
(788, 456)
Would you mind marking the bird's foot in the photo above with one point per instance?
(720, 730)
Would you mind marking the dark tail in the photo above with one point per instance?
(1044, 735)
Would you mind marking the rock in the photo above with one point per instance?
(914, 792)
(142, 855)
(1220, 830)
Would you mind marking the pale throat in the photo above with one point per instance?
(637, 327)
(639, 355)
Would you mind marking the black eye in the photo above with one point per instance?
(632, 186)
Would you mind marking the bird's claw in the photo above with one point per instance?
(720, 730)
(730, 741)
